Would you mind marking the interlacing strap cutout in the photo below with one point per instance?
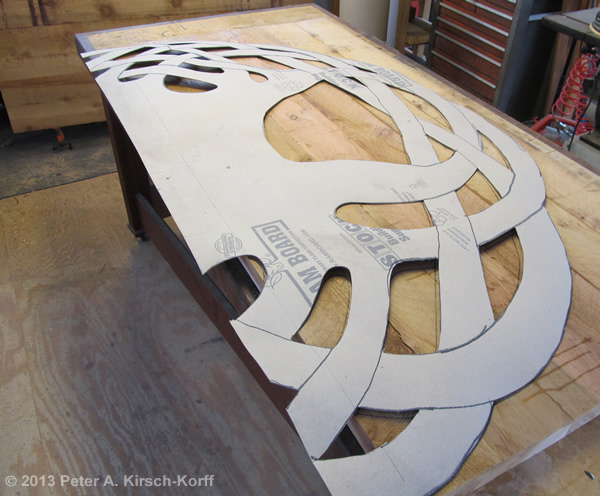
(195, 112)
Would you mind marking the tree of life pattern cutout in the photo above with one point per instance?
(207, 153)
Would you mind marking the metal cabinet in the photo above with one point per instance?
(496, 49)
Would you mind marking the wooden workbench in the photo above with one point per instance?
(567, 393)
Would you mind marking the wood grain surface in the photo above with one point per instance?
(567, 394)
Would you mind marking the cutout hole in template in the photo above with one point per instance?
(360, 132)
(200, 68)
(401, 216)
(477, 194)
(318, 63)
(344, 445)
(493, 151)
(502, 261)
(132, 53)
(327, 320)
(125, 77)
(186, 85)
(217, 49)
(414, 317)
(383, 427)
(259, 78)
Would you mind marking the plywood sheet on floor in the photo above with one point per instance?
(109, 368)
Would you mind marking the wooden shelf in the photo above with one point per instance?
(418, 32)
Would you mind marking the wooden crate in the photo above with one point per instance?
(43, 82)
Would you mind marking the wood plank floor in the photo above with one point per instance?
(109, 368)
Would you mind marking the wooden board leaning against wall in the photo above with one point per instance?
(42, 80)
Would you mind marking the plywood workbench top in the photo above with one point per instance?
(326, 124)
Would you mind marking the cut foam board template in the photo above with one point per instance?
(207, 154)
